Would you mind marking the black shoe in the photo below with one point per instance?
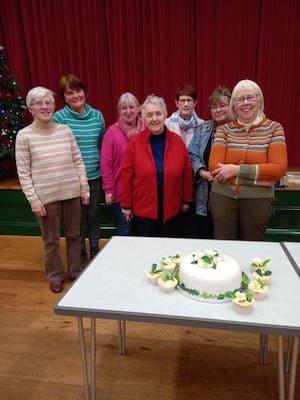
(94, 252)
(83, 261)
(72, 278)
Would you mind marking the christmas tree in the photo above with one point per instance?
(12, 108)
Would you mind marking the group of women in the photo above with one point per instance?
(155, 170)
(236, 159)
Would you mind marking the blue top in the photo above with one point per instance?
(158, 143)
(88, 129)
(198, 155)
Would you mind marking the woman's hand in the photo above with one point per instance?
(206, 175)
(225, 172)
(39, 211)
(185, 208)
(109, 198)
(85, 198)
(128, 215)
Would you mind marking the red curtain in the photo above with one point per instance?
(154, 46)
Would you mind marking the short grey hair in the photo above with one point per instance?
(152, 99)
(127, 98)
(39, 92)
(246, 84)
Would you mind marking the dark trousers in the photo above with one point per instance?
(89, 226)
(204, 227)
(67, 211)
(150, 227)
(187, 223)
(240, 219)
(124, 227)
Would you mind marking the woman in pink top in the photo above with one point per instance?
(112, 151)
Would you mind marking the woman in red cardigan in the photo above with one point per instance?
(156, 175)
(247, 157)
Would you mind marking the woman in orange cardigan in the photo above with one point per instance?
(248, 156)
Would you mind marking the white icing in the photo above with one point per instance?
(226, 275)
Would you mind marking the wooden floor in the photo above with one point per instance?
(40, 357)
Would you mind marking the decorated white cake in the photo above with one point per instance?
(209, 276)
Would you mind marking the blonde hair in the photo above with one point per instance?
(246, 84)
(127, 98)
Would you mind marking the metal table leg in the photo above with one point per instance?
(122, 337)
(293, 368)
(288, 355)
(93, 358)
(263, 339)
(280, 368)
(83, 358)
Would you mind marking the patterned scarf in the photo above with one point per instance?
(131, 130)
(192, 122)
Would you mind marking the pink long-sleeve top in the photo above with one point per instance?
(112, 152)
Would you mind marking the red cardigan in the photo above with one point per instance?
(139, 185)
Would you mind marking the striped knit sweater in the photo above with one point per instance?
(259, 150)
(49, 164)
(88, 129)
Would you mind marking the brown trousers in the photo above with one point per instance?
(240, 219)
(69, 212)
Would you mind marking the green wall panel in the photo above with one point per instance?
(16, 217)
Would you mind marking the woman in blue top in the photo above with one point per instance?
(88, 127)
(199, 150)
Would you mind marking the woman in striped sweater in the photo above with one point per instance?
(53, 178)
(247, 157)
(88, 127)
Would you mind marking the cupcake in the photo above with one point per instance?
(259, 289)
(243, 302)
(168, 263)
(167, 282)
(154, 274)
(256, 263)
(177, 260)
(264, 275)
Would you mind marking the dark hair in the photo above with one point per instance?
(219, 92)
(70, 81)
(187, 90)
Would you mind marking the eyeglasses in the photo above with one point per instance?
(41, 104)
(250, 99)
(183, 101)
(217, 107)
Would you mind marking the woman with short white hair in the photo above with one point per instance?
(157, 183)
(53, 178)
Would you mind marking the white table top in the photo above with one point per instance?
(293, 253)
(115, 286)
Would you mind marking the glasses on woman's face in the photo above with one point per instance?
(221, 107)
(250, 98)
(188, 100)
(40, 104)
